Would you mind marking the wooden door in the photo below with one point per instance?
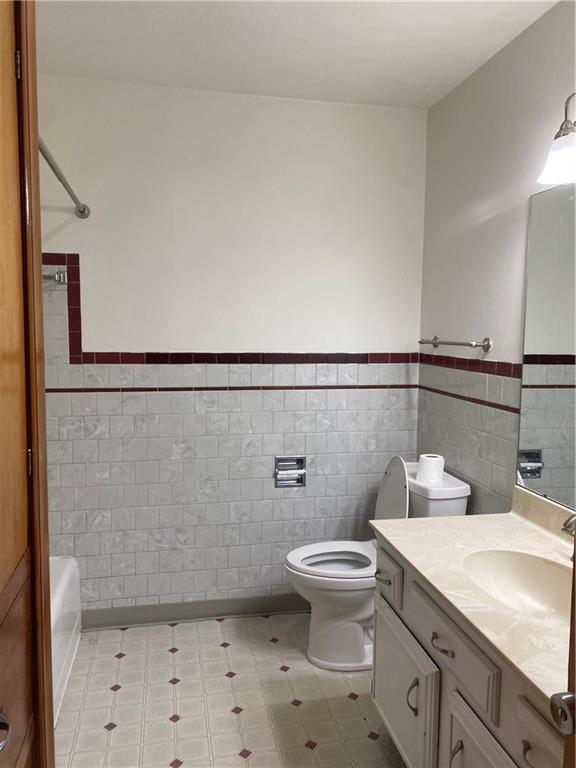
(16, 655)
(26, 729)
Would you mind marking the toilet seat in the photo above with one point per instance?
(335, 559)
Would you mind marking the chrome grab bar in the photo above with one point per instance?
(486, 344)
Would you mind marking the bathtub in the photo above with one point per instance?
(66, 622)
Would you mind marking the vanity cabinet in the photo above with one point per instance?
(406, 688)
(447, 697)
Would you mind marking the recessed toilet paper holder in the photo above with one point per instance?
(289, 471)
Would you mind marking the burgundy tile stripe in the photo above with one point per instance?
(549, 359)
(494, 367)
(79, 356)
(475, 400)
(232, 389)
(548, 386)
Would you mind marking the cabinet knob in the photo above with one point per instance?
(445, 651)
(458, 747)
(526, 747)
(382, 579)
(414, 684)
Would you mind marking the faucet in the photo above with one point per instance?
(569, 525)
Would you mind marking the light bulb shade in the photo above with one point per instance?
(560, 167)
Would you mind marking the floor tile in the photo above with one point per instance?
(234, 693)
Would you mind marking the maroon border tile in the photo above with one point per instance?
(475, 365)
(78, 356)
(550, 359)
(475, 400)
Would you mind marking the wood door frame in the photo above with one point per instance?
(25, 23)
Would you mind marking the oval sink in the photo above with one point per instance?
(524, 582)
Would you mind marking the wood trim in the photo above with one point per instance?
(32, 253)
(17, 580)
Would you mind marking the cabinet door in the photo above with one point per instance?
(471, 743)
(406, 689)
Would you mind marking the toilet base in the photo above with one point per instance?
(365, 664)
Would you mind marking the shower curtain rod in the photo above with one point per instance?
(81, 209)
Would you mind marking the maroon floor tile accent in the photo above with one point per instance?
(224, 645)
(284, 668)
(237, 710)
(245, 753)
(373, 735)
(174, 718)
(110, 726)
(353, 696)
(172, 650)
(176, 763)
(174, 681)
(295, 702)
(120, 655)
(115, 687)
(311, 744)
(230, 674)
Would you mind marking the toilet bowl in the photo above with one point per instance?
(337, 578)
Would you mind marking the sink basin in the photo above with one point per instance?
(524, 582)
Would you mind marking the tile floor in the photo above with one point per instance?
(221, 693)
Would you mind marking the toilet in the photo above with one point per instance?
(337, 578)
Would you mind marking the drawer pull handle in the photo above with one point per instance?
(526, 747)
(382, 579)
(458, 747)
(445, 651)
(414, 684)
(4, 731)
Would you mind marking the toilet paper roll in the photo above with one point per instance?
(430, 468)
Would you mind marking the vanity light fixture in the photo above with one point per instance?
(560, 166)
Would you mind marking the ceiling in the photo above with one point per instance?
(400, 54)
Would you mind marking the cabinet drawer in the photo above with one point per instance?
(478, 677)
(389, 578)
(471, 743)
(539, 744)
(406, 688)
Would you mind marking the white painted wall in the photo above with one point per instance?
(550, 274)
(236, 223)
(487, 143)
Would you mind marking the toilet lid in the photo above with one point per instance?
(335, 559)
(393, 495)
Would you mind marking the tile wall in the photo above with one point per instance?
(547, 423)
(471, 417)
(161, 475)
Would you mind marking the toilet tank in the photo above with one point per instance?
(444, 499)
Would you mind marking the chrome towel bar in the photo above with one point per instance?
(486, 344)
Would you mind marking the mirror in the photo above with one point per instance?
(546, 448)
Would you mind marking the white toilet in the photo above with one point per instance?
(337, 577)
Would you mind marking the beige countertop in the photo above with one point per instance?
(437, 547)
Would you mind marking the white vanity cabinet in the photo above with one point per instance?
(447, 697)
(406, 689)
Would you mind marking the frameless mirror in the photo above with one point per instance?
(546, 450)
